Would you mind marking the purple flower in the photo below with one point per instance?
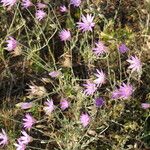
(20, 145)
(87, 23)
(101, 77)
(63, 8)
(124, 92)
(135, 64)
(99, 102)
(29, 121)
(90, 88)
(8, 3)
(99, 49)
(123, 48)
(40, 14)
(41, 5)
(84, 119)
(75, 3)
(25, 139)
(65, 35)
(64, 104)
(49, 108)
(11, 44)
(145, 105)
(25, 105)
(26, 3)
(3, 138)
(54, 74)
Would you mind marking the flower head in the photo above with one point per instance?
(11, 44)
(64, 104)
(49, 108)
(115, 94)
(135, 64)
(54, 74)
(20, 145)
(63, 8)
(29, 121)
(85, 119)
(26, 3)
(75, 3)
(41, 5)
(90, 88)
(65, 35)
(99, 49)
(123, 48)
(99, 102)
(101, 77)
(3, 138)
(87, 23)
(145, 105)
(25, 105)
(25, 139)
(40, 15)
(8, 3)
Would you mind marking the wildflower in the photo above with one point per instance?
(135, 64)
(85, 119)
(125, 91)
(90, 88)
(29, 121)
(65, 35)
(8, 3)
(75, 3)
(87, 23)
(101, 77)
(63, 8)
(49, 108)
(11, 44)
(25, 105)
(41, 5)
(64, 104)
(145, 105)
(26, 3)
(123, 48)
(116, 94)
(99, 102)
(3, 138)
(40, 15)
(25, 139)
(20, 145)
(99, 49)
(54, 74)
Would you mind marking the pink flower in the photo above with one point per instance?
(29, 121)
(50, 107)
(40, 15)
(20, 145)
(99, 49)
(63, 8)
(11, 44)
(65, 35)
(41, 5)
(85, 119)
(3, 138)
(135, 64)
(145, 105)
(87, 23)
(26, 3)
(8, 3)
(25, 105)
(75, 3)
(101, 77)
(116, 94)
(64, 104)
(25, 139)
(90, 88)
(55, 74)
(123, 48)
